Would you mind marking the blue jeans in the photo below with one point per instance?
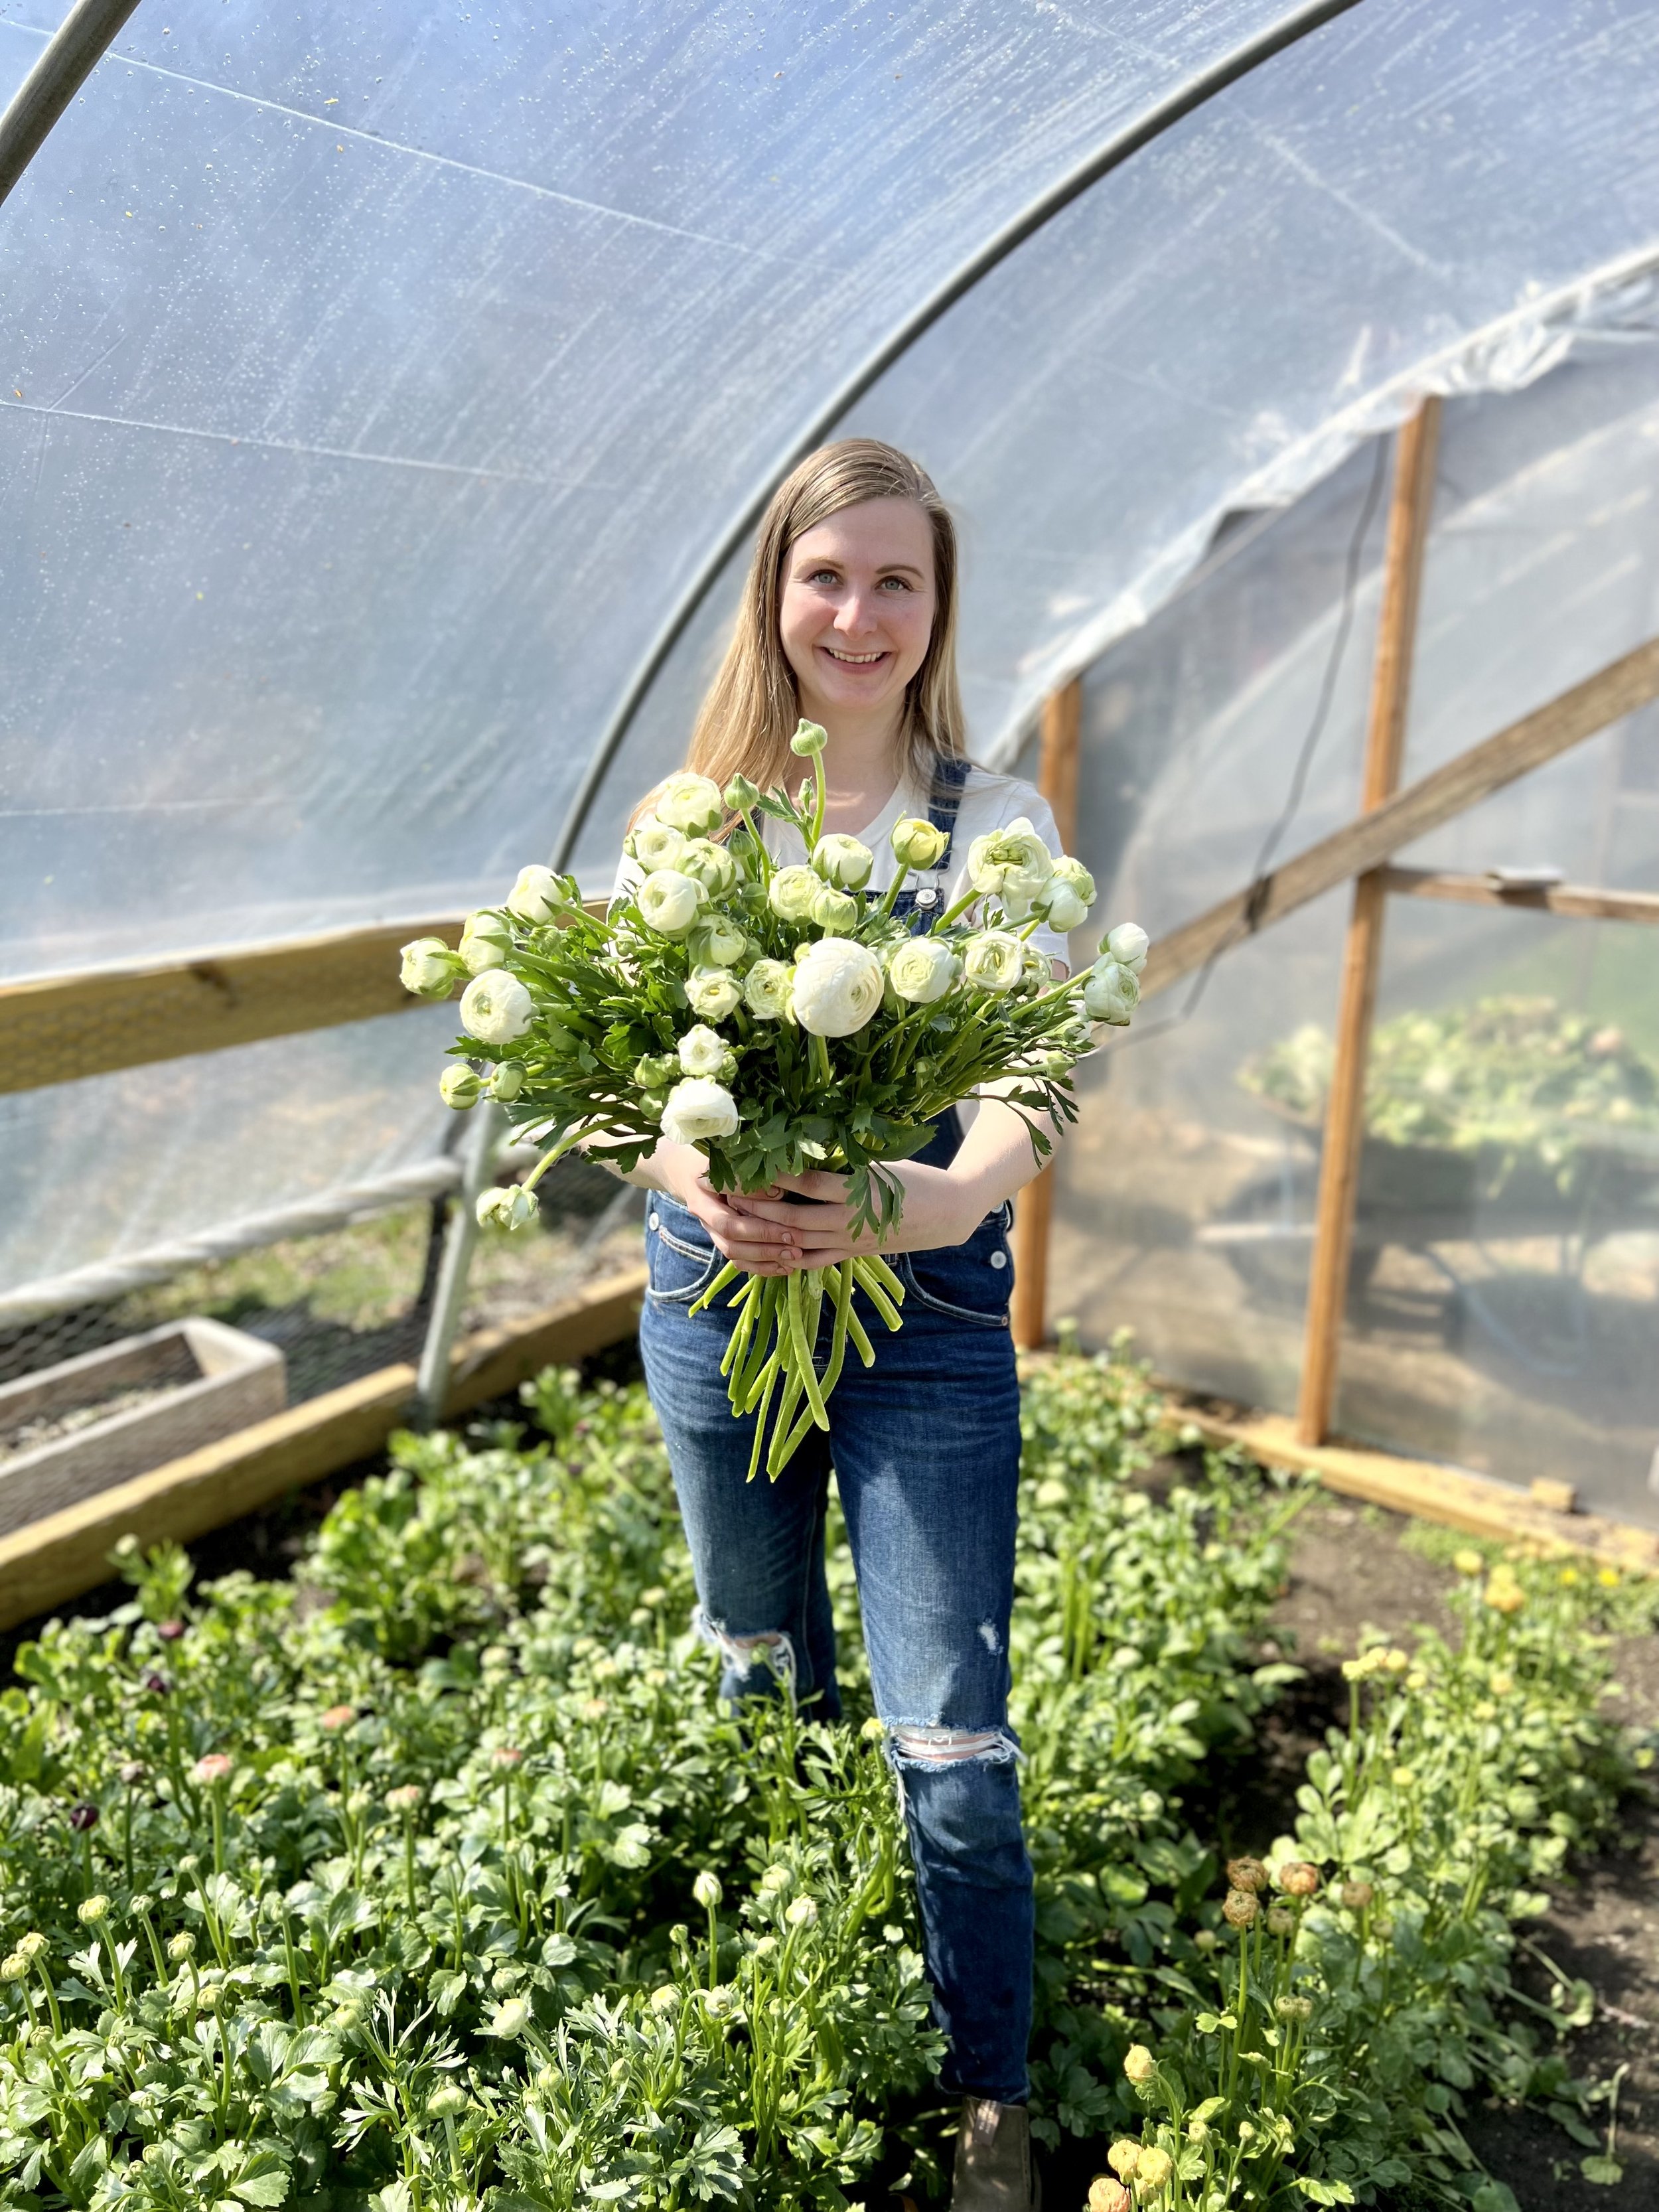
(926, 1451)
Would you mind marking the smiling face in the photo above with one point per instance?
(856, 609)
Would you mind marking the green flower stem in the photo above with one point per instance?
(891, 899)
(51, 1997)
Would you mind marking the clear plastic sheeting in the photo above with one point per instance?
(1495, 1319)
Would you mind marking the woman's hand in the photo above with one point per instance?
(939, 1209)
(741, 1234)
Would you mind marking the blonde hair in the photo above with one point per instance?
(752, 707)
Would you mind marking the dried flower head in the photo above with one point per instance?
(1296, 1878)
(1240, 1908)
(1281, 1921)
(1356, 1895)
(1139, 2062)
(1246, 1873)
(1123, 2157)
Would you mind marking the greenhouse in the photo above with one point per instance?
(393, 397)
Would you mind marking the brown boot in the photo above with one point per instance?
(994, 2172)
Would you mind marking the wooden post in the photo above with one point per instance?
(1062, 722)
(1344, 1112)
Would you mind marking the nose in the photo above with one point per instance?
(858, 615)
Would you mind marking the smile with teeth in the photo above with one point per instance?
(853, 659)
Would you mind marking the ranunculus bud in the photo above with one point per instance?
(1239, 1908)
(767, 988)
(707, 1890)
(1296, 1878)
(709, 865)
(507, 1080)
(1123, 2157)
(718, 2002)
(430, 969)
(1246, 1873)
(740, 794)
(837, 986)
(496, 1007)
(1154, 2167)
(1127, 945)
(405, 1798)
(995, 960)
(1106, 2194)
(537, 895)
(506, 1757)
(1111, 994)
(810, 739)
(916, 844)
(1294, 2008)
(509, 2020)
(702, 1051)
(92, 1910)
(1139, 2064)
(1065, 900)
(82, 1817)
(216, 1766)
(654, 845)
(791, 892)
(486, 939)
(691, 802)
(181, 1946)
(1205, 1939)
(802, 1912)
(335, 1719)
(134, 1772)
(842, 860)
(461, 1086)
(716, 942)
(1280, 1920)
(922, 970)
(670, 902)
(713, 993)
(697, 1111)
(507, 1205)
(1011, 866)
(836, 913)
(1356, 1895)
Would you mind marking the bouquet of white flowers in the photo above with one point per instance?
(780, 1019)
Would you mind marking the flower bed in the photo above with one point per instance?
(436, 1878)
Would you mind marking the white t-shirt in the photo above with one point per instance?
(989, 802)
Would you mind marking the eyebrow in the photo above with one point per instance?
(887, 567)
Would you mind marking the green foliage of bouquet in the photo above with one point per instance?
(1515, 1079)
(780, 1019)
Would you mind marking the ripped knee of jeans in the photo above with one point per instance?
(772, 1648)
(925, 1748)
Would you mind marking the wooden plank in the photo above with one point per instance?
(1538, 737)
(1449, 1495)
(1034, 1208)
(1385, 742)
(59, 1557)
(1530, 898)
(56, 1028)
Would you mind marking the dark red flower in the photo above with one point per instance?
(156, 1684)
(82, 1817)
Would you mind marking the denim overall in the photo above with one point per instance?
(926, 1451)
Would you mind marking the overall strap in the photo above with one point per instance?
(950, 773)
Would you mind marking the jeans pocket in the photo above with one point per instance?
(969, 1282)
(679, 1264)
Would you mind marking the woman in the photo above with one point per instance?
(849, 618)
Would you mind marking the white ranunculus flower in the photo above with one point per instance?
(1066, 897)
(842, 860)
(1111, 993)
(496, 1007)
(1010, 866)
(838, 983)
(702, 1051)
(484, 939)
(698, 1109)
(791, 892)
(461, 1086)
(993, 960)
(1036, 967)
(713, 993)
(922, 969)
(709, 865)
(766, 990)
(430, 969)
(509, 1205)
(537, 896)
(691, 802)
(509, 2020)
(918, 844)
(1127, 945)
(836, 913)
(717, 942)
(669, 902)
(654, 845)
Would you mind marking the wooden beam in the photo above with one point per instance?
(1034, 1208)
(1530, 898)
(59, 1557)
(1448, 1495)
(1542, 735)
(91, 1021)
(1385, 742)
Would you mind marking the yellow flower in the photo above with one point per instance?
(1504, 1593)
(1139, 2062)
(1154, 2167)
(1122, 2157)
(1569, 1577)
(1468, 1562)
(1502, 1685)
(1416, 1679)
(1395, 1661)
(1106, 2194)
(1608, 1578)
(1404, 1778)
